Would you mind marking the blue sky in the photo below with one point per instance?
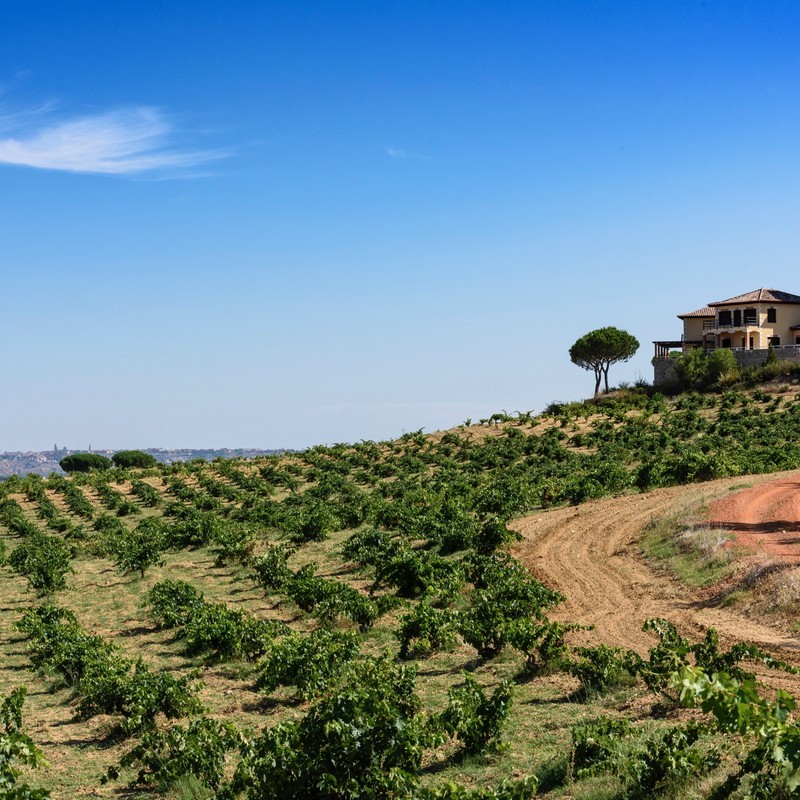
(278, 224)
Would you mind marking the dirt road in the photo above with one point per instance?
(765, 518)
(591, 554)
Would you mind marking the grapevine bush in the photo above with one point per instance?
(44, 560)
(309, 662)
(17, 750)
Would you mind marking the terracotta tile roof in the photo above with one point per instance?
(705, 311)
(760, 296)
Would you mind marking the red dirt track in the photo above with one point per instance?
(765, 518)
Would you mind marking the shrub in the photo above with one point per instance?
(474, 718)
(195, 528)
(504, 594)
(44, 560)
(722, 367)
(328, 599)
(136, 550)
(114, 684)
(313, 523)
(414, 573)
(601, 668)
(84, 462)
(76, 500)
(129, 459)
(524, 789)
(228, 633)
(700, 369)
(772, 356)
(494, 534)
(310, 662)
(271, 568)
(105, 682)
(149, 496)
(595, 743)
(672, 653)
(17, 749)
(366, 739)
(368, 546)
(425, 630)
(172, 602)
(58, 642)
(199, 749)
(225, 632)
(666, 760)
(541, 642)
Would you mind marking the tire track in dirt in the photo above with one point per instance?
(765, 518)
(591, 554)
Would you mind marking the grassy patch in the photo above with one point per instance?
(697, 555)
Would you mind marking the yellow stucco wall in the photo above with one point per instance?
(786, 315)
(693, 329)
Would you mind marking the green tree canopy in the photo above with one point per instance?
(599, 349)
(703, 369)
(126, 459)
(84, 462)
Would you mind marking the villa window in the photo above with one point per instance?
(725, 343)
(750, 317)
(724, 318)
(737, 318)
(772, 315)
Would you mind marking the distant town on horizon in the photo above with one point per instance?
(43, 462)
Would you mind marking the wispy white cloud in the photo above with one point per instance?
(398, 152)
(127, 141)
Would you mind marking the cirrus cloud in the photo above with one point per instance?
(125, 141)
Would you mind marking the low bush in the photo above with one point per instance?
(17, 751)
(138, 549)
(474, 718)
(366, 739)
(309, 662)
(148, 494)
(44, 560)
(84, 462)
(601, 668)
(426, 630)
(105, 681)
(131, 459)
(171, 603)
(165, 757)
(222, 632)
(272, 569)
(595, 744)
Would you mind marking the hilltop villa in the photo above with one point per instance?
(748, 324)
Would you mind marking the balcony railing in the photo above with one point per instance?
(713, 325)
(664, 350)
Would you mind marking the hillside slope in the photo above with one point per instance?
(377, 571)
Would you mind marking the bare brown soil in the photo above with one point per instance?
(591, 553)
(764, 518)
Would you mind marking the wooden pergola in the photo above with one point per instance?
(663, 348)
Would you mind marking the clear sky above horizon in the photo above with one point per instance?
(279, 224)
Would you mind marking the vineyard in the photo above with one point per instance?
(360, 621)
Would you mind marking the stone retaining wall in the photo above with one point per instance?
(665, 370)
